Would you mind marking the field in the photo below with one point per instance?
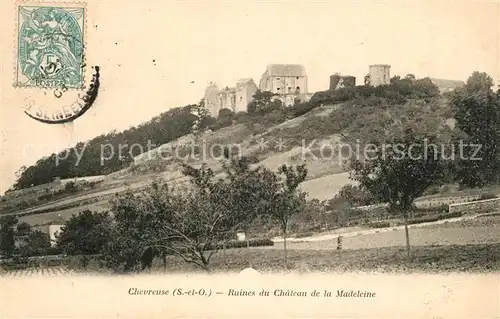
(470, 246)
(481, 230)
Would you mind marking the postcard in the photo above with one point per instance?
(250, 159)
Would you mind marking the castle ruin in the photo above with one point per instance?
(287, 81)
(380, 74)
(235, 98)
(338, 81)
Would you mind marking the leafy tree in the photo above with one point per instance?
(477, 114)
(137, 220)
(85, 234)
(367, 80)
(410, 77)
(287, 201)
(263, 102)
(197, 229)
(247, 193)
(7, 234)
(400, 171)
(356, 196)
(225, 117)
(23, 228)
(479, 82)
(37, 243)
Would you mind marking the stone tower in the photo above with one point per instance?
(210, 99)
(380, 74)
(338, 81)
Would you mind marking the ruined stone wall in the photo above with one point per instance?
(480, 206)
(244, 95)
(340, 81)
(210, 99)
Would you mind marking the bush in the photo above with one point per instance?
(429, 219)
(441, 209)
(258, 242)
(433, 190)
(381, 224)
(301, 109)
(70, 187)
(486, 196)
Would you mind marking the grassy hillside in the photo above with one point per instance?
(320, 133)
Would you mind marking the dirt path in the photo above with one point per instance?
(457, 231)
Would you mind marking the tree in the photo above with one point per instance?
(477, 114)
(247, 193)
(287, 201)
(87, 233)
(367, 80)
(197, 229)
(138, 219)
(356, 196)
(23, 228)
(399, 172)
(221, 208)
(225, 117)
(7, 235)
(479, 82)
(37, 244)
(410, 77)
(263, 102)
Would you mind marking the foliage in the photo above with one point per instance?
(263, 102)
(399, 91)
(225, 117)
(486, 196)
(402, 166)
(477, 114)
(7, 234)
(161, 129)
(86, 233)
(37, 243)
(286, 200)
(356, 196)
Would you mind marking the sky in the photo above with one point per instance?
(150, 52)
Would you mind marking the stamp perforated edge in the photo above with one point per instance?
(16, 45)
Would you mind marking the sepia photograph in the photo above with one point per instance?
(151, 141)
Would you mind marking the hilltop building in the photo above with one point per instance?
(447, 85)
(338, 81)
(288, 81)
(235, 98)
(380, 74)
(210, 99)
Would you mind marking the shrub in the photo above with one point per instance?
(441, 209)
(486, 196)
(258, 242)
(429, 219)
(381, 224)
(433, 190)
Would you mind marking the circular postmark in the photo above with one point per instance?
(49, 113)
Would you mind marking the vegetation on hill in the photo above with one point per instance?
(405, 160)
(193, 224)
(178, 122)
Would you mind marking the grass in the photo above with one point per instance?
(451, 258)
(481, 258)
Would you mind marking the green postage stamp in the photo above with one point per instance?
(50, 45)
